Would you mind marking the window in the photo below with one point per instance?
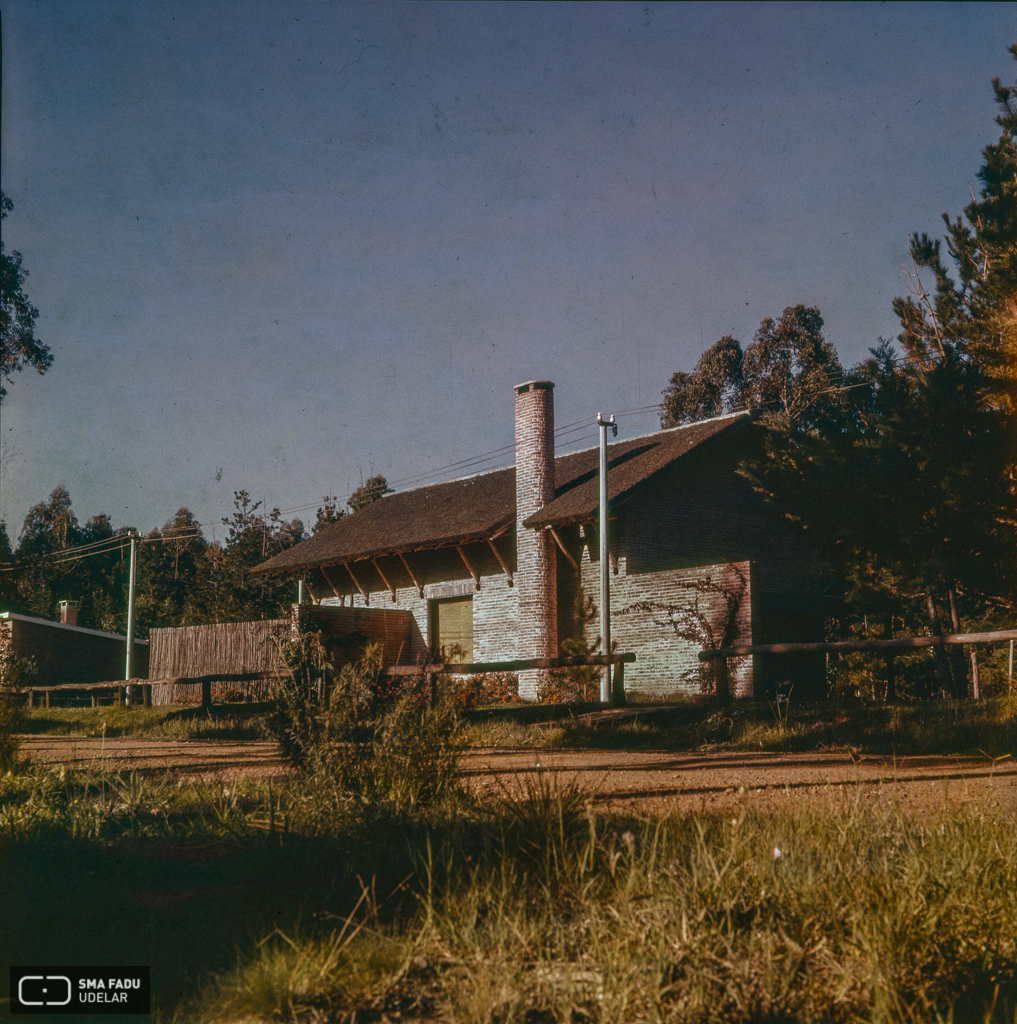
(452, 629)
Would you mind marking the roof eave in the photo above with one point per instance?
(476, 537)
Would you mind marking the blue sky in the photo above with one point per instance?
(283, 246)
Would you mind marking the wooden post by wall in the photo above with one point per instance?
(618, 685)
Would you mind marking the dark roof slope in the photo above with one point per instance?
(453, 512)
(631, 464)
(460, 511)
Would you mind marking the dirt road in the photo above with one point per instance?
(707, 780)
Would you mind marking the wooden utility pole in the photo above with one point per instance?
(129, 671)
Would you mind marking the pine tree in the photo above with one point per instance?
(906, 489)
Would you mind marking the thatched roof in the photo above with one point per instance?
(631, 465)
(478, 507)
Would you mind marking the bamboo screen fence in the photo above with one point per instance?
(226, 647)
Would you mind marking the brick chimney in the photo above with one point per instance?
(69, 613)
(535, 578)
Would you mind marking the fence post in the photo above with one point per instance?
(722, 679)
(618, 686)
(206, 694)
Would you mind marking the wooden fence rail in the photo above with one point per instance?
(521, 665)
(476, 668)
(119, 686)
(847, 646)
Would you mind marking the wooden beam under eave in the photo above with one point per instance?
(409, 571)
(310, 592)
(384, 579)
(501, 531)
(363, 593)
(466, 562)
(613, 558)
(335, 589)
(564, 550)
(501, 561)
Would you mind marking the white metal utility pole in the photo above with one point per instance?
(605, 558)
(130, 614)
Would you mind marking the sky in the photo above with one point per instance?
(285, 246)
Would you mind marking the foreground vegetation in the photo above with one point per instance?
(259, 902)
(371, 885)
(919, 728)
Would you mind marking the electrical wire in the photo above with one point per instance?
(564, 437)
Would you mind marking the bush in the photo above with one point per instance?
(359, 744)
(469, 692)
(13, 672)
(577, 684)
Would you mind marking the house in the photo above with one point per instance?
(64, 652)
(497, 565)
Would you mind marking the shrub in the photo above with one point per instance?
(577, 684)
(469, 692)
(13, 672)
(360, 744)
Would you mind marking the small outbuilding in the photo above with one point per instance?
(64, 652)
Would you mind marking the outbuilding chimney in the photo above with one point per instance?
(535, 578)
(69, 613)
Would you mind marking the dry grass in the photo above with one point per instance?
(533, 907)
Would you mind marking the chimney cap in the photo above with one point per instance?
(534, 385)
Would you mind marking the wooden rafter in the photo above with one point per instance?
(564, 550)
(502, 530)
(501, 561)
(366, 596)
(328, 580)
(310, 592)
(416, 582)
(384, 579)
(466, 562)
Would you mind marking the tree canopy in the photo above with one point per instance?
(183, 579)
(19, 346)
(905, 489)
(789, 369)
(376, 487)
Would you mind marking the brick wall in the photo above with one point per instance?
(700, 521)
(702, 512)
(666, 664)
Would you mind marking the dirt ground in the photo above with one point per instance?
(688, 779)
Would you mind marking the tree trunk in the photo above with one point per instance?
(957, 663)
(942, 667)
(891, 668)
